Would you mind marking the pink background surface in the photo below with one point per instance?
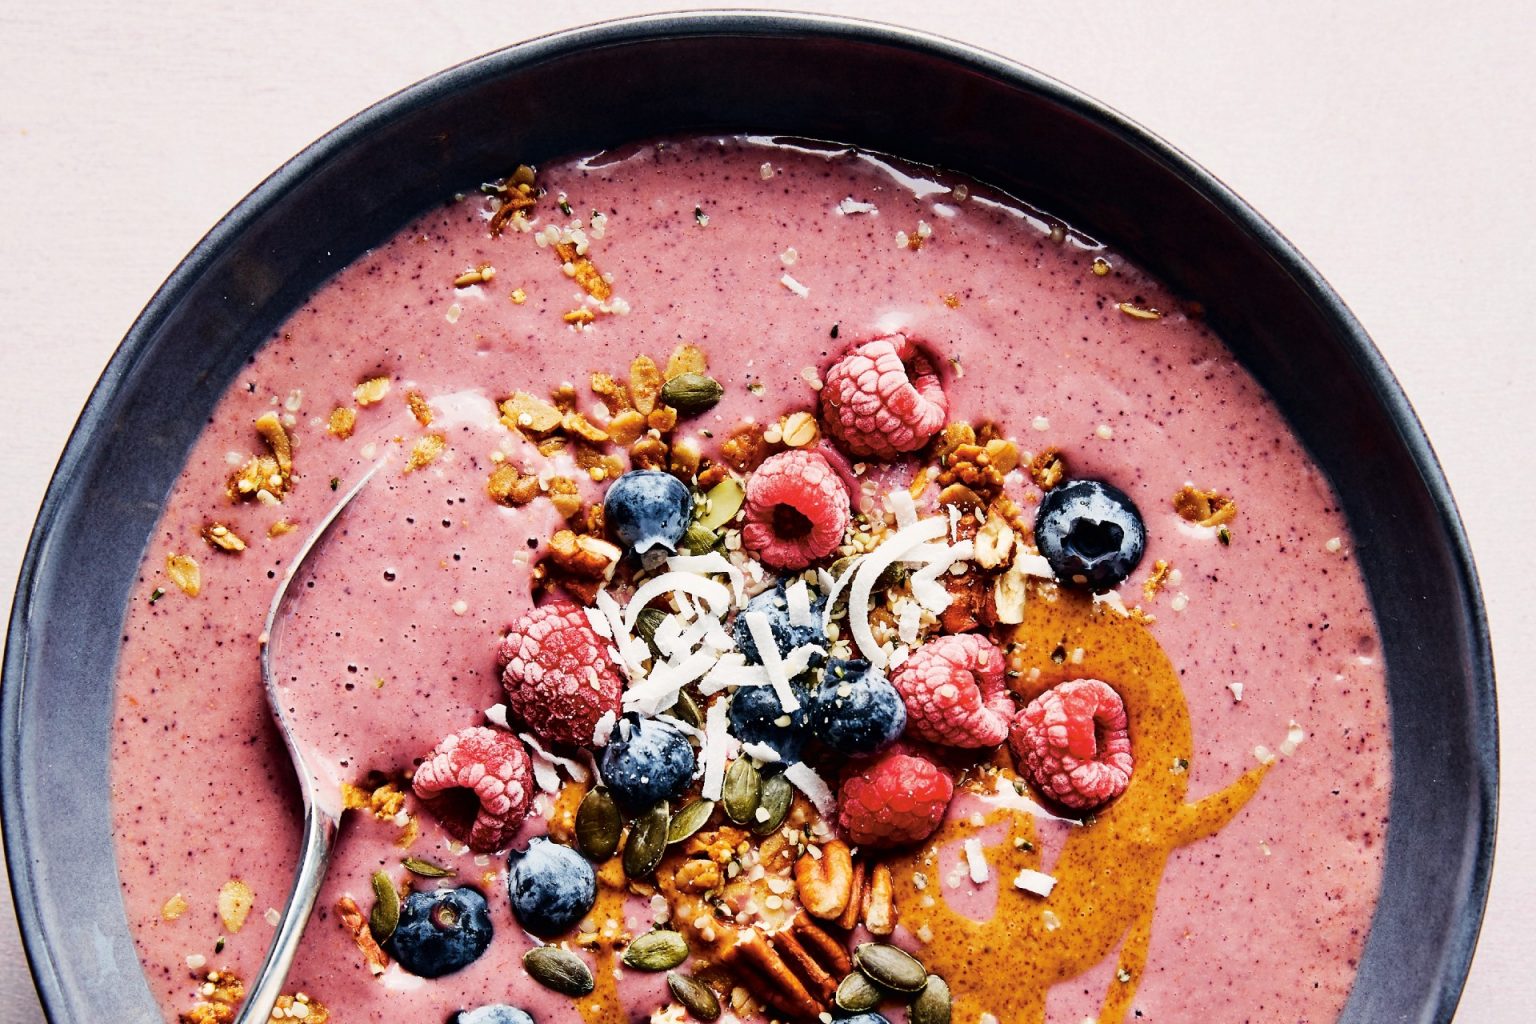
(1388, 140)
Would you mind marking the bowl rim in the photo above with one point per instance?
(659, 27)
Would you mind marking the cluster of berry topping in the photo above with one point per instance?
(776, 661)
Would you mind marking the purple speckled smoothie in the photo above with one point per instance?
(772, 260)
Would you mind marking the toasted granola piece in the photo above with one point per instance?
(565, 495)
(174, 907)
(419, 407)
(371, 391)
(577, 425)
(744, 450)
(584, 272)
(235, 902)
(342, 422)
(578, 316)
(426, 451)
(614, 395)
(218, 996)
(649, 453)
(626, 427)
(662, 419)
(952, 437)
(1158, 578)
(583, 557)
(300, 1007)
(510, 487)
(979, 467)
(185, 573)
(272, 431)
(1048, 468)
(645, 382)
(685, 460)
(686, 359)
(1204, 508)
(355, 923)
(529, 414)
(223, 538)
(280, 528)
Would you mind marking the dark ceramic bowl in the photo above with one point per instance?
(884, 89)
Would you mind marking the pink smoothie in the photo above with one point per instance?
(393, 647)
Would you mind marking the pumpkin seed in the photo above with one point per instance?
(699, 539)
(689, 820)
(647, 841)
(427, 869)
(774, 798)
(385, 914)
(739, 792)
(857, 994)
(558, 969)
(890, 967)
(697, 997)
(932, 1004)
(660, 950)
(686, 710)
(598, 825)
(691, 393)
(722, 502)
(646, 624)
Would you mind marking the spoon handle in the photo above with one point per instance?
(319, 838)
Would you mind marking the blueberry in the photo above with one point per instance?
(870, 1017)
(496, 1014)
(1091, 534)
(440, 931)
(775, 605)
(756, 716)
(856, 710)
(646, 761)
(551, 887)
(646, 509)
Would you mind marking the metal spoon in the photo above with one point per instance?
(322, 800)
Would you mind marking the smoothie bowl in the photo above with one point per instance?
(863, 532)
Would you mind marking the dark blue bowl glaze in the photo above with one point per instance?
(884, 89)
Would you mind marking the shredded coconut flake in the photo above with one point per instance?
(761, 752)
(715, 736)
(804, 778)
(851, 205)
(577, 770)
(1237, 692)
(1293, 738)
(1037, 882)
(868, 571)
(768, 650)
(496, 714)
(976, 860)
(794, 286)
(713, 562)
(901, 505)
(603, 729)
(1112, 599)
(713, 594)
(1034, 565)
(798, 597)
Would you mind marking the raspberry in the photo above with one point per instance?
(558, 676)
(873, 406)
(1074, 745)
(797, 510)
(953, 688)
(895, 799)
(492, 767)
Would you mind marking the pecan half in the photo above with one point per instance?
(826, 882)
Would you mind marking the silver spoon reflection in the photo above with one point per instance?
(322, 797)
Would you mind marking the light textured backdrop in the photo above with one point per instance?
(1391, 141)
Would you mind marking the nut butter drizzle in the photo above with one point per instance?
(1108, 874)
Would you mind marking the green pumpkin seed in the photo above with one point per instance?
(660, 950)
(691, 393)
(686, 710)
(721, 503)
(697, 997)
(689, 820)
(890, 967)
(598, 825)
(857, 994)
(739, 793)
(647, 841)
(699, 539)
(932, 1004)
(646, 624)
(774, 798)
(558, 969)
(427, 869)
(385, 914)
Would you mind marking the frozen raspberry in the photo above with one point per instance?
(953, 688)
(883, 399)
(478, 783)
(1073, 744)
(558, 676)
(895, 799)
(797, 510)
